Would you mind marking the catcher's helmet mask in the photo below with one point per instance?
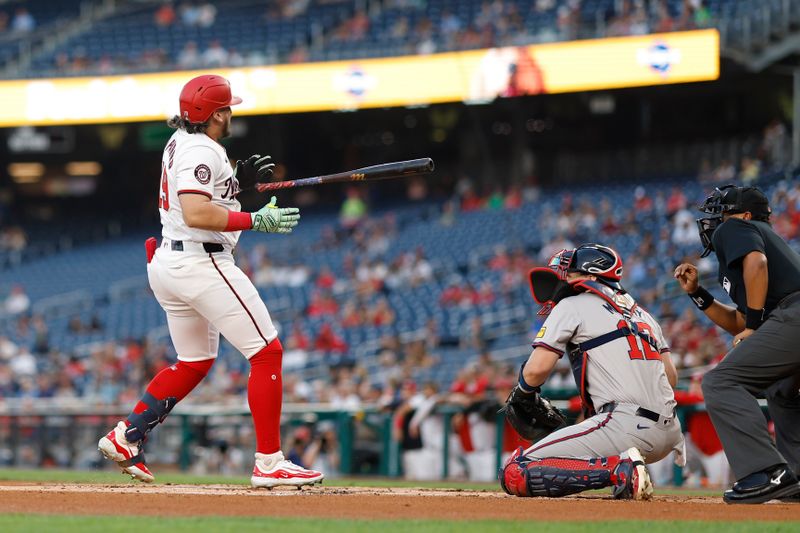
(550, 284)
(729, 200)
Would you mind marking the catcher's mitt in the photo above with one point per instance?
(532, 415)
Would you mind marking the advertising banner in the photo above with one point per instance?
(470, 76)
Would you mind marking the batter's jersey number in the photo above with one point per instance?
(639, 348)
(163, 193)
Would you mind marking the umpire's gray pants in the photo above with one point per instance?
(766, 364)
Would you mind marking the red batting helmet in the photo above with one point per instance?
(203, 95)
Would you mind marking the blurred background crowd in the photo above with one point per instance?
(198, 34)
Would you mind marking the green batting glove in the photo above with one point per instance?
(274, 219)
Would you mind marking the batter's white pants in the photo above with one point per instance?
(205, 294)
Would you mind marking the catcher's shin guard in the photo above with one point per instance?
(555, 476)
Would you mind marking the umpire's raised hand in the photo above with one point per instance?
(688, 277)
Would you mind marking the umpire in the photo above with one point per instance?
(761, 274)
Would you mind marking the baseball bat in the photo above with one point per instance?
(395, 169)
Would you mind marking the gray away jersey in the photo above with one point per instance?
(624, 370)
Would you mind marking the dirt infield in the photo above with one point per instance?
(365, 503)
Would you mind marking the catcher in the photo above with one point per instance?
(625, 376)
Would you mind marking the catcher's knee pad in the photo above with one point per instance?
(142, 423)
(513, 476)
(553, 477)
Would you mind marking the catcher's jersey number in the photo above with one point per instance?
(639, 349)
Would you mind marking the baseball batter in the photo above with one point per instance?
(193, 275)
(624, 373)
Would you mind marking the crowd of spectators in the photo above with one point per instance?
(21, 23)
(636, 17)
(359, 297)
(770, 150)
(409, 30)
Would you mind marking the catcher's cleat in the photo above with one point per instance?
(633, 480)
(129, 456)
(276, 471)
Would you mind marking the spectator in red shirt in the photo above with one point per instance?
(665, 23)
(471, 201)
(322, 304)
(327, 340)
(165, 15)
(513, 198)
(676, 201)
(452, 295)
(642, 202)
(609, 226)
(500, 259)
(298, 340)
(381, 314)
(326, 279)
(353, 315)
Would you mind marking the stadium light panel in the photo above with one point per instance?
(26, 172)
(83, 168)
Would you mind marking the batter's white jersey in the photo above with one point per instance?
(625, 370)
(194, 163)
(203, 293)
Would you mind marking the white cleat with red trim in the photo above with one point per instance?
(129, 457)
(275, 471)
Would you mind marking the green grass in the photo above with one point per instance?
(109, 477)
(103, 524)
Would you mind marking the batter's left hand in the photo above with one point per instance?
(742, 336)
(256, 169)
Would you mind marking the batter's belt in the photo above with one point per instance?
(180, 246)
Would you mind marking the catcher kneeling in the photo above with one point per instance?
(624, 373)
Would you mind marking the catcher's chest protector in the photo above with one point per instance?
(602, 308)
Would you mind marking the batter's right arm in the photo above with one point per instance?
(725, 316)
(200, 213)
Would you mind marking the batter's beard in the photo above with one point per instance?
(226, 130)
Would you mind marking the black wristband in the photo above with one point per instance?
(702, 298)
(753, 318)
(523, 385)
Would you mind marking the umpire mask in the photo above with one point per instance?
(729, 199)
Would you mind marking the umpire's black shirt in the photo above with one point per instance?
(734, 239)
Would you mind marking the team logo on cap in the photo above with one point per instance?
(202, 173)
